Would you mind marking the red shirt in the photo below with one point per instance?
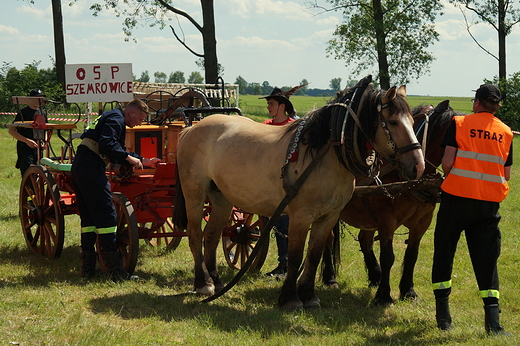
(271, 121)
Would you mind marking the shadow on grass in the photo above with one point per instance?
(256, 312)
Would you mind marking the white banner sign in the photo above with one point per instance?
(99, 82)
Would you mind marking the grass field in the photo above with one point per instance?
(44, 302)
(257, 108)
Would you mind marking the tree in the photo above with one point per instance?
(59, 43)
(303, 89)
(160, 77)
(390, 34)
(501, 15)
(335, 84)
(145, 77)
(242, 85)
(195, 78)
(177, 77)
(158, 12)
(266, 88)
(14, 82)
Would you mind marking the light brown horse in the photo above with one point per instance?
(414, 209)
(234, 161)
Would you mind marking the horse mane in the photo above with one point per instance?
(317, 130)
(440, 116)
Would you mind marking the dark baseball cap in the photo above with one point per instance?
(488, 93)
(36, 92)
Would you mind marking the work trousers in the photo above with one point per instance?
(94, 200)
(479, 219)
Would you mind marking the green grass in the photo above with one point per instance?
(257, 108)
(44, 302)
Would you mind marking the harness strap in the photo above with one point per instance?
(262, 241)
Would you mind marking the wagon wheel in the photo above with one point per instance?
(240, 237)
(127, 232)
(42, 220)
(171, 242)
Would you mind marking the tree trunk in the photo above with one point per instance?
(384, 75)
(59, 43)
(501, 40)
(209, 42)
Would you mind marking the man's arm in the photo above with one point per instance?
(448, 159)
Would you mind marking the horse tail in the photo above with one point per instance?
(180, 218)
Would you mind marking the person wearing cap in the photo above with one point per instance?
(477, 165)
(26, 145)
(102, 142)
(281, 111)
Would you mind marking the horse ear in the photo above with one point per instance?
(402, 90)
(389, 95)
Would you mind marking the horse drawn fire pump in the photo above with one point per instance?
(143, 199)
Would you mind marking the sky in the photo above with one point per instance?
(281, 42)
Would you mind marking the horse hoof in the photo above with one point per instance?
(313, 303)
(383, 303)
(292, 306)
(332, 284)
(207, 290)
(219, 287)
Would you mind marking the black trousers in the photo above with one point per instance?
(94, 199)
(479, 219)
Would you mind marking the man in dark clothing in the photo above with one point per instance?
(26, 145)
(103, 141)
(477, 164)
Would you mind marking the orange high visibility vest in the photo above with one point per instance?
(478, 171)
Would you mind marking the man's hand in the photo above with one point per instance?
(135, 162)
(151, 162)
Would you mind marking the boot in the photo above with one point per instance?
(88, 264)
(113, 267)
(492, 322)
(442, 313)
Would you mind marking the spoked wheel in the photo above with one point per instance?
(159, 240)
(42, 220)
(240, 237)
(127, 232)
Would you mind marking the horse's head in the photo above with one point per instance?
(435, 121)
(394, 137)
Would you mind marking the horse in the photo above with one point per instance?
(414, 209)
(235, 161)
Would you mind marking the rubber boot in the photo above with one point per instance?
(88, 264)
(442, 313)
(492, 323)
(113, 266)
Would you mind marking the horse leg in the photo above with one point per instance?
(203, 284)
(288, 298)
(320, 233)
(366, 242)
(331, 258)
(219, 217)
(386, 258)
(406, 285)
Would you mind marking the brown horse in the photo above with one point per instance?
(234, 161)
(413, 209)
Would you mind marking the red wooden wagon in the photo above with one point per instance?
(143, 199)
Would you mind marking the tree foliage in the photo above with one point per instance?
(335, 84)
(391, 34)
(177, 77)
(158, 13)
(160, 77)
(500, 15)
(510, 110)
(14, 82)
(195, 78)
